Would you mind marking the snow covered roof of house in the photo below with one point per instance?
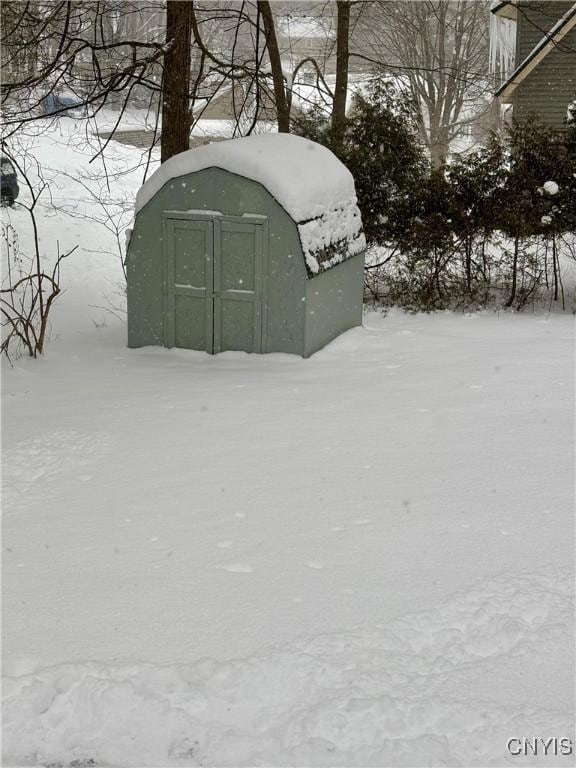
(547, 43)
(304, 94)
(306, 27)
(304, 177)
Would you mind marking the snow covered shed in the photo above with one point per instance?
(251, 244)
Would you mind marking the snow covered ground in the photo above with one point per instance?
(361, 559)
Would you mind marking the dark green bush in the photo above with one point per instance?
(382, 151)
(488, 228)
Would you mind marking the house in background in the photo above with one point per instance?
(533, 55)
(304, 36)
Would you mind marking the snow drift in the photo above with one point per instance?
(415, 692)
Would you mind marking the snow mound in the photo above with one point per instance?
(414, 692)
(306, 179)
(551, 188)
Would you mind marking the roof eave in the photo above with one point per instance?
(538, 54)
(505, 9)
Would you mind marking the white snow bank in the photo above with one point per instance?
(308, 181)
(416, 692)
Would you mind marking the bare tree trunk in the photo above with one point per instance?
(439, 146)
(282, 106)
(341, 88)
(469, 264)
(555, 266)
(176, 114)
(514, 272)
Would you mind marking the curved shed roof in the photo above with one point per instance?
(307, 179)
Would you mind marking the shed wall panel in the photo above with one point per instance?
(144, 283)
(329, 309)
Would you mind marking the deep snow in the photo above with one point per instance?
(415, 691)
(364, 558)
(306, 178)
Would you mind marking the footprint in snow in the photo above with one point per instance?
(317, 565)
(237, 568)
(45, 457)
(224, 544)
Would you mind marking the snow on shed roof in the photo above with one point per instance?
(307, 179)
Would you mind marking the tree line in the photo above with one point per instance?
(494, 227)
(176, 56)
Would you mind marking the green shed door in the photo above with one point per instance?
(237, 286)
(213, 284)
(189, 282)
